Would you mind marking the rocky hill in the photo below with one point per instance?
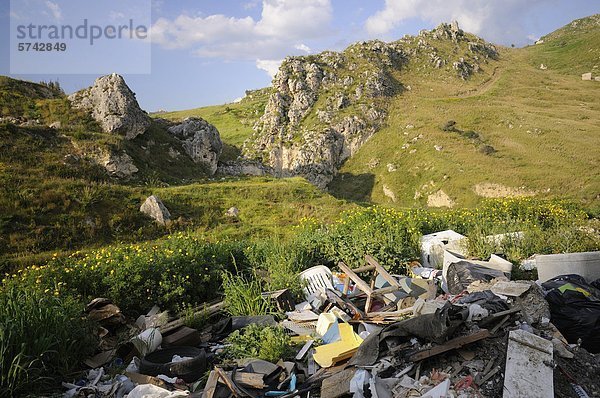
(325, 107)
(439, 119)
(72, 168)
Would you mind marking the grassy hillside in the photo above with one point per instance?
(542, 125)
(520, 129)
(53, 197)
(572, 49)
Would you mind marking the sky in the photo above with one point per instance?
(206, 52)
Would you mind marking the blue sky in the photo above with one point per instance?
(207, 52)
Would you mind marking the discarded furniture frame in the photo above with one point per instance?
(369, 288)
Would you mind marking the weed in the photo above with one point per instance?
(243, 296)
(194, 318)
(270, 343)
(42, 339)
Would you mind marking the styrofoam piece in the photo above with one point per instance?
(147, 341)
(586, 264)
(325, 321)
(433, 246)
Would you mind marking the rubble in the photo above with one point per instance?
(455, 327)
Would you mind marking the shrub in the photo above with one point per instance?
(42, 339)
(181, 269)
(391, 237)
(450, 125)
(270, 343)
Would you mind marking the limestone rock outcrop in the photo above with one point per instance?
(119, 165)
(113, 105)
(344, 111)
(324, 107)
(201, 141)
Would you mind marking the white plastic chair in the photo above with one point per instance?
(316, 278)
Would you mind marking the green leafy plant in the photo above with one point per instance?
(42, 339)
(243, 295)
(270, 343)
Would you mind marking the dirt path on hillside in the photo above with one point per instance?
(483, 87)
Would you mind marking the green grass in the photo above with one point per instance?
(542, 123)
(42, 339)
(572, 49)
(267, 205)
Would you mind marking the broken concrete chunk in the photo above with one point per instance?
(509, 288)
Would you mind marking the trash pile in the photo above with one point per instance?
(453, 327)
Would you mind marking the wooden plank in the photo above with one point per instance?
(362, 285)
(184, 336)
(304, 350)
(338, 384)
(249, 379)
(228, 382)
(390, 314)
(497, 315)
(450, 345)
(499, 324)
(139, 378)
(364, 268)
(208, 311)
(385, 290)
(382, 271)
(211, 385)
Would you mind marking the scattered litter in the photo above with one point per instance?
(452, 327)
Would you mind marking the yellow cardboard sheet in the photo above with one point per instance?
(327, 355)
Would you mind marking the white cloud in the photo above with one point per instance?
(14, 15)
(303, 47)
(283, 24)
(54, 9)
(271, 66)
(495, 20)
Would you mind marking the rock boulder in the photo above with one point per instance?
(201, 141)
(113, 105)
(154, 208)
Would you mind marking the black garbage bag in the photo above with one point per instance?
(575, 310)
(461, 273)
(486, 299)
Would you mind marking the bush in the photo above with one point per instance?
(179, 270)
(42, 339)
(270, 343)
(391, 237)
